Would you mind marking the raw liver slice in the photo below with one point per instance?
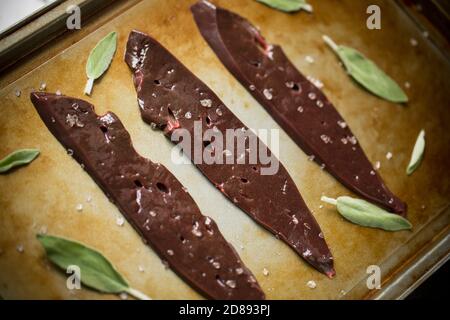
(150, 197)
(300, 108)
(167, 91)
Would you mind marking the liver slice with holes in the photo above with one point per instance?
(150, 197)
(299, 107)
(171, 97)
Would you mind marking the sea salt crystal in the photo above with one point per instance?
(42, 86)
(377, 165)
(58, 92)
(79, 207)
(389, 155)
(312, 96)
(344, 140)
(294, 219)
(120, 221)
(219, 112)
(73, 120)
(300, 109)
(265, 272)
(188, 115)
(372, 173)
(316, 82)
(309, 59)
(252, 87)
(231, 283)
(141, 269)
(311, 284)
(326, 139)
(239, 270)
(307, 253)
(342, 124)
(18, 93)
(206, 103)
(89, 199)
(353, 140)
(267, 94)
(290, 84)
(216, 265)
(319, 104)
(195, 230)
(170, 252)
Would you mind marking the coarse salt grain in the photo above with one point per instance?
(231, 283)
(377, 165)
(206, 103)
(311, 284)
(267, 94)
(309, 59)
(120, 221)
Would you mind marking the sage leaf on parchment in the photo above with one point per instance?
(18, 158)
(96, 271)
(99, 59)
(417, 154)
(288, 5)
(366, 214)
(367, 73)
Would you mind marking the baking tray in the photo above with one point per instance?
(45, 193)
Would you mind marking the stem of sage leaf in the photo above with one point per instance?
(89, 85)
(330, 42)
(137, 294)
(329, 200)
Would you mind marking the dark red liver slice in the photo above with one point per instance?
(171, 97)
(300, 108)
(150, 197)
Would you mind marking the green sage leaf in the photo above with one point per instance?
(288, 5)
(368, 74)
(96, 271)
(18, 158)
(417, 154)
(99, 59)
(365, 214)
